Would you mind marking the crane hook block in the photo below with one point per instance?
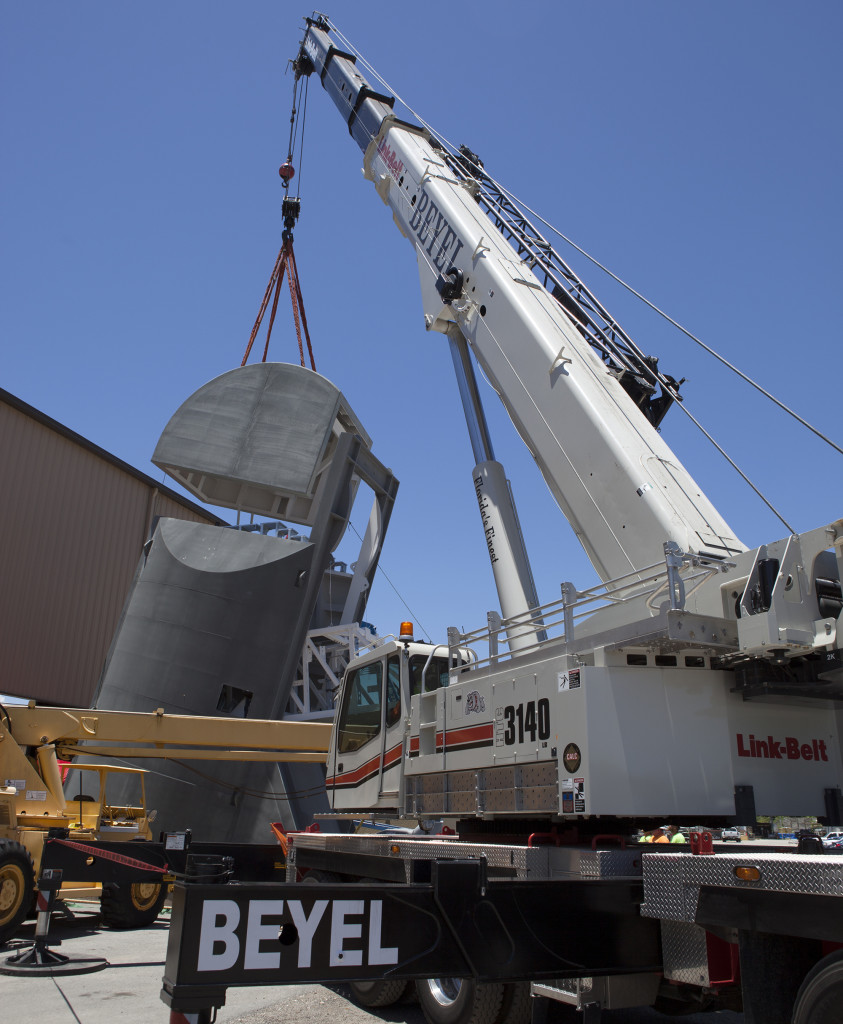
(290, 209)
(286, 171)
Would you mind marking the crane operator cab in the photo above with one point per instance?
(371, 736)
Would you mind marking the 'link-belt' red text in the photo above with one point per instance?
(789, 748)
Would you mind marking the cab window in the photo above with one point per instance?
(435, 676)
(361, 711)
(393, 690)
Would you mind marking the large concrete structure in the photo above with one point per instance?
(207, 629)
(217, 618)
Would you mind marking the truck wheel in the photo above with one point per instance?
(820, 995)
(459, 1001)
(316, 877)
(374, 994)
(517, 1004)
(131, 906)
(379, 993)
(17, 884)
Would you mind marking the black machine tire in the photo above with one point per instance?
(134, 905)
(820, 996)
(375, 994)
(317, 877)
(459, 1001)
(517, 1004)
(17, 887)
(379, 993)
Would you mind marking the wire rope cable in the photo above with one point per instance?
(656, 309)
(454, 150)
(398, 593)
(301, 139)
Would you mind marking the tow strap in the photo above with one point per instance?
(120, 858)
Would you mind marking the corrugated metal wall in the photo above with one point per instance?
(73, 521)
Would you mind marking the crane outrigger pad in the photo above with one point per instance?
(38, 960)
(258, 439)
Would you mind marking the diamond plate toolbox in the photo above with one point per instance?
(672, 882)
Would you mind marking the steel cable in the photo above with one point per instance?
(707, 348)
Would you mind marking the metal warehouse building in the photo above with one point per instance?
(73, 522)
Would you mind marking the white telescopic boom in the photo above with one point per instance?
(620, 486)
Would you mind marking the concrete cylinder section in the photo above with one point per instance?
(258, 439)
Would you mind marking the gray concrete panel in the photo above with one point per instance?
(213, 608)
(256, 437)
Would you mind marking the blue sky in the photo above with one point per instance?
(693, 148)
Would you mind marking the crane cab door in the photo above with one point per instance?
(365, 769)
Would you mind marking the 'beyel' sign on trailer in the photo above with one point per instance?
(237, 935)
(352, 927)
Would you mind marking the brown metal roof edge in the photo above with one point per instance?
(83, 442)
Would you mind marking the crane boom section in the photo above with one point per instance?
(156, 734)
(620, 486)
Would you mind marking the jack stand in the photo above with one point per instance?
(39, 959)
(62, 910)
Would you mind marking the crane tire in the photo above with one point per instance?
(379, 993)
(820, 996)
(516, 1005)
(131, 905)
(459, 1000)
(317, 876)
(17, 886)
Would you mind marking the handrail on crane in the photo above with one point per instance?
(649, 584)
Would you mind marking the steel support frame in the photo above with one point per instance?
(332, 647)
(350, 459)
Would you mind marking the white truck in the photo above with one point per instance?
(697, 682)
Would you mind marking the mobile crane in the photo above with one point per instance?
(699, 682)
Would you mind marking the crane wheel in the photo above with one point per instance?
(379, 993)
(17, 886)
(517, 1004)
(460, 1001)
(132, 905)
(820, 995)
(375, 994)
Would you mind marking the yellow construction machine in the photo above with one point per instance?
(39, 744)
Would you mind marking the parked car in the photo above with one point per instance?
(832, 839)
(730, 835)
